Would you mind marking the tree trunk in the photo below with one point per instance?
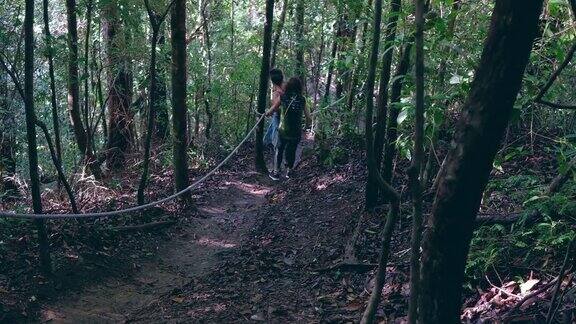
(333, 54)
(119, 87)
(442, 68)
(207, 52)
(82, 138)
(263, 88)
(53, 102)
(100, 94)
(479, 131)
(379, 138)
(369, 313)
(300, 70)
(8, 185)
(415, 167)
(45, 260)
(179, 106)
(162, 129)
(362, 34)
(150, 120)
(278, 34)
(87, 120)
(392, 125)
(345, 34)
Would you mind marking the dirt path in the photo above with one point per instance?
(226, 213)
(256, 254)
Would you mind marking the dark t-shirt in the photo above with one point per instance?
(291, 111)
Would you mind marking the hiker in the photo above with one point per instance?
(290, 107)
(277, 78)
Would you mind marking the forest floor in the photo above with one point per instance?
(251, 250)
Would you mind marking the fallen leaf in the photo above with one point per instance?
(178, 299)
(528, 285)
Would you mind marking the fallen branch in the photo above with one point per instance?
(507, 219)
(346, 266)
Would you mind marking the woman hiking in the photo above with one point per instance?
(290, 106)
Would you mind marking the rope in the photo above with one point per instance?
(141, 207)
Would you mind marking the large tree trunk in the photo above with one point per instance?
(382, 104)
(82, 138)
(45, 260)
(479, 131)
(179, 108)
(119, 88)
(263, 88)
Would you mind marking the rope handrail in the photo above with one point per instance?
(140, 207)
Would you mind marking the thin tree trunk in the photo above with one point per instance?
(369, 313)
(58, 165)
(179, 105)
(415, 167)
(346, 35)
(45, 260)
(481, 127)
(86, 65)
(443, 67)
(394, 111)
(278, 34)
(372, 192)
(80, 133)
(208, 53)
(155, 23)
(319, 58)
(53, 102)
(8, 185)
(263, 88)
(359, 63)
(162, 129)
(300, 70)
(150, 121)
(333, 54)
(100, 94)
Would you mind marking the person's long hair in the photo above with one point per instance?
(294, 87)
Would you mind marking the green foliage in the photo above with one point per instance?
(498, 246)
(334, 156)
